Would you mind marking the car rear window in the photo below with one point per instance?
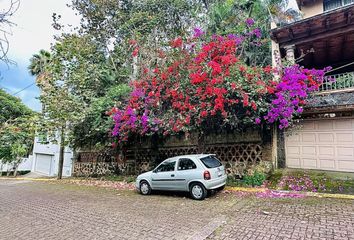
(211, 162)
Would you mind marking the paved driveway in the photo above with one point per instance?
(41, 210)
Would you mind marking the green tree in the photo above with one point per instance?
(60, 108)
(16, 129)
(223, 18)
(11, 107)
(95, 64)
(38, 63)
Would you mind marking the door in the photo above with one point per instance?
(186, 171)
(322, 144)
(164, 175)
(43, 163)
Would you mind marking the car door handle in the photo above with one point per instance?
(172, 175)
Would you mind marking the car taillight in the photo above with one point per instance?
(206, 175)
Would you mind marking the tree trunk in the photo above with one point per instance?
(61, 154)
(15, 170)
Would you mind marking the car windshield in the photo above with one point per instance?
(211, 162)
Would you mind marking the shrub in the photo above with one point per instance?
(256, 179)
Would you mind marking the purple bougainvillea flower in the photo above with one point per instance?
(138, 92)
(249, 22)
(257, 32)
(198, 32)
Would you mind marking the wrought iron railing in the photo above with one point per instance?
(337, 82)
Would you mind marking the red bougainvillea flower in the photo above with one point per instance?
(208, 87)
(177, 43)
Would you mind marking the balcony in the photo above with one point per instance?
(338, 82)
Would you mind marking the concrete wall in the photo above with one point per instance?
(312, 8)
(25, 165)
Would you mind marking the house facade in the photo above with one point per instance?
(45, 158)
(324, 37)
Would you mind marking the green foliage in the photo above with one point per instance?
(11, 107)
(16, 139)
(93, 130)
(17, 126)
(234, 182)
(223, 18)
(256, 179)
(144, 19)
(18, 173)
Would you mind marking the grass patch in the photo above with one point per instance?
(234, 182)
(310, 180)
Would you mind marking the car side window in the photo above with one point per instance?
(166, 167)
(186, 164)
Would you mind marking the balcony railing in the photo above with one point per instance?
(338, 82)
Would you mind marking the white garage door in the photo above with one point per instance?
(322, 144)
(43, 163)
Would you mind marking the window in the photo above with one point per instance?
(186, 164)
(166, 167)
(333, 4)
(211, 162)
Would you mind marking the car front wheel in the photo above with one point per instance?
(145, 188)
(198, 191)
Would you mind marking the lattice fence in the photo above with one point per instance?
(236, 158)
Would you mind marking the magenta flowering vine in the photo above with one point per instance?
(202, 83)
(291, 93)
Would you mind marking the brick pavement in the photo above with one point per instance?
(41, 210)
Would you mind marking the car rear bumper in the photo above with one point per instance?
(215, 183)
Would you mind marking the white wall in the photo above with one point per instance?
(49, 148)
(53, 149)
(25, 165)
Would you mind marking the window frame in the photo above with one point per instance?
(165, 163)
(342, 4)
(179, 161)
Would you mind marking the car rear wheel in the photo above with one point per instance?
(145, 188)
(198, 191)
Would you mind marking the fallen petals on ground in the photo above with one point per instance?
(107, 184)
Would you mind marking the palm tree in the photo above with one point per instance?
(38, 62)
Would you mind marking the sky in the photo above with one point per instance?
(33, 31)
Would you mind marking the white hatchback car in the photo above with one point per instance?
(191, 173)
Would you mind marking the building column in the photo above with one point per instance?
(290, 53)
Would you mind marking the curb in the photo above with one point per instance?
(330, 195)
(246, 189)
(30, 179)
(307, 194)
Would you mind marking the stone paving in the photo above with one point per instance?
(45, 210)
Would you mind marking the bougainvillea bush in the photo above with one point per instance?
(202, 84)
